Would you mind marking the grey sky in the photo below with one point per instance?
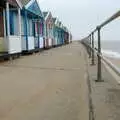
(82, 16)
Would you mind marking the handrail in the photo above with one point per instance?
(91, 36)
(116, 15)
(108, 62)
(113, 17)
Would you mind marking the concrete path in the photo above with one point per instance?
(47, 86)
(105, 95)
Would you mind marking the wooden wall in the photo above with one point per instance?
(1, 23)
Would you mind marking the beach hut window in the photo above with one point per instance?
(49, 26)
(47, 30)
(22, 26)
(30, 27)
(13, 22)
(41, 28)
(36, 29)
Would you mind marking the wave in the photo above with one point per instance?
(111, 54)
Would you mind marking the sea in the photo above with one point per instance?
(110, 48)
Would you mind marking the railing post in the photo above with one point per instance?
(86, 44)
(88, 49)
(89, 38)
(93, 59)
(99, 72)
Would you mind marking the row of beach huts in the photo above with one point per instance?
(24, 28)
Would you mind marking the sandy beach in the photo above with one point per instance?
(115, 61)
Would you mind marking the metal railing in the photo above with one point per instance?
(89, 43)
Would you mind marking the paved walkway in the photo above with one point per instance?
(105, 95)
(49, 86)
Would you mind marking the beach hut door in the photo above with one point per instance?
(1, 23)
(1, 30)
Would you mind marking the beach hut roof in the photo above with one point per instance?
(33, 6)
(25, 2)
(19, 3)
(45, 14)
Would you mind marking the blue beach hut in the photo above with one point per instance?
(57, 32)
(32, 26)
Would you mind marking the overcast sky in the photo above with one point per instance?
(82, 16)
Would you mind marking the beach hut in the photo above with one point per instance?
(55, 32)
(10, 27)
(70, 37)
(54, 40)
(66, 35)
(60, 33)
(32, 26)
(48, 29)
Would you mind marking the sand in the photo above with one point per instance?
(115, 61)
